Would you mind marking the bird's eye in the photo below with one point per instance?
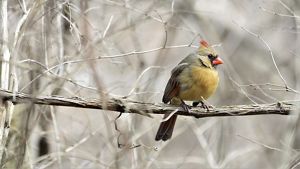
(210, 56)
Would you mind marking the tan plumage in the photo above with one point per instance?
(195, 78)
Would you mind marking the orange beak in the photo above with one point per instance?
(217, 61)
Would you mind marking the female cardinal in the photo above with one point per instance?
(195, 78)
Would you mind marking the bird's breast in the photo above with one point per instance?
(198, 83)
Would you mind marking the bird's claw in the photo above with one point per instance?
(185, 107)
(207, 107)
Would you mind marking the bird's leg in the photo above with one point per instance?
(185, 106)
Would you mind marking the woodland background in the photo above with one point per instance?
(126, 49)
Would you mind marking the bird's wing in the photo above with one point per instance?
(173, 87)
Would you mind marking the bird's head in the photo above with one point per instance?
(208, 56)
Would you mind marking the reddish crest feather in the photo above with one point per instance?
(204, 43)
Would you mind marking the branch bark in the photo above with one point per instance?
(128, 106)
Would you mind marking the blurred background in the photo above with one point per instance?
(112, 48)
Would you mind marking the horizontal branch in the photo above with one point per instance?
(129, 106)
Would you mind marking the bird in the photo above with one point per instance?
(195, 79)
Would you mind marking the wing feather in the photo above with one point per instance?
(173, 86)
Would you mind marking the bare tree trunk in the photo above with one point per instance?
(7, 107)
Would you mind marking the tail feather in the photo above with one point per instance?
(166, 99)
(166, 128)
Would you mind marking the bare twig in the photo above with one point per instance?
(293, 16)
(140, 77)
(108, 26)
(261, 144)
(268, 48)
(103, 57)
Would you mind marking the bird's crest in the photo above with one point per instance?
(205, 49)
(204, 43)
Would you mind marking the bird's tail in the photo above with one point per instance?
(165, 129)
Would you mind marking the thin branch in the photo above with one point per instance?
(129, 106)
(108, 26)
(104, 57)
(140, 77)
(293, 16)
(261, 144)
(268, 49)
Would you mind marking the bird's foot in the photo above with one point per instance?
(185, 107)
(204, 106)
